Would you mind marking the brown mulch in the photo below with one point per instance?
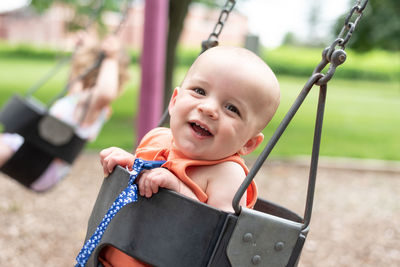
(355, 221)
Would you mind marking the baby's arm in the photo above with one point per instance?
(225, 179)
(151, 180)
(112, 156)
(106, 88)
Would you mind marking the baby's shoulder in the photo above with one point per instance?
(217, 175)
(226, 170)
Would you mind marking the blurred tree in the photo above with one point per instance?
(379, 27)
(290, 39)
(85, 10)
(178, 10)
(177, 13)
(313, 38)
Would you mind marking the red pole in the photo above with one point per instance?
(152, 65)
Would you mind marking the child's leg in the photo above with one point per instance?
(9, 143)
(56, 171)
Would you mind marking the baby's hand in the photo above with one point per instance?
(112, 156)
(151, 180)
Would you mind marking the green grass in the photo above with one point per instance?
(300, 61)
(362, 118)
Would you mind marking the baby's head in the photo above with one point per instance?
(226, 99)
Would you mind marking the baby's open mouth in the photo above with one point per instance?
(200, 130)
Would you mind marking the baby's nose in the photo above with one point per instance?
(209, 109)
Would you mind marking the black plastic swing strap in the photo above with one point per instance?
(66, 58)
(27, 164)
(187, 243)
(44, 132)
(334, 57)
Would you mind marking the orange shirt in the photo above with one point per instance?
(158, 145)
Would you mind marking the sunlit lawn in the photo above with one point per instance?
(362, 118)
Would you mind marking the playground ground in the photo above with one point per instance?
(355, 221)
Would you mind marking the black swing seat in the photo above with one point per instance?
(169, 229)
(45, 138)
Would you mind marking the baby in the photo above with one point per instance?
(217, 114)
(226, 99)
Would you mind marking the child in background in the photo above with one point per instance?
(100, 87)
(217, 114)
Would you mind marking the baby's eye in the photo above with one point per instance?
(199, 91)
(233, 109)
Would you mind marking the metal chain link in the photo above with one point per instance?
(213, 37)
(350, 26)
(335, 56)
(125, 14)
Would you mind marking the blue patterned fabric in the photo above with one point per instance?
(128, 195)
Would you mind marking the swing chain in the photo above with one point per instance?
(213, 37)
(349, 26)
(125, 15)
(335, 56)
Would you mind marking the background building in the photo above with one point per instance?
(49, 28)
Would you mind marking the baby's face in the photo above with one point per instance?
(215, 112)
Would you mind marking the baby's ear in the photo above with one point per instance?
(173, 98)
(251, 144)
